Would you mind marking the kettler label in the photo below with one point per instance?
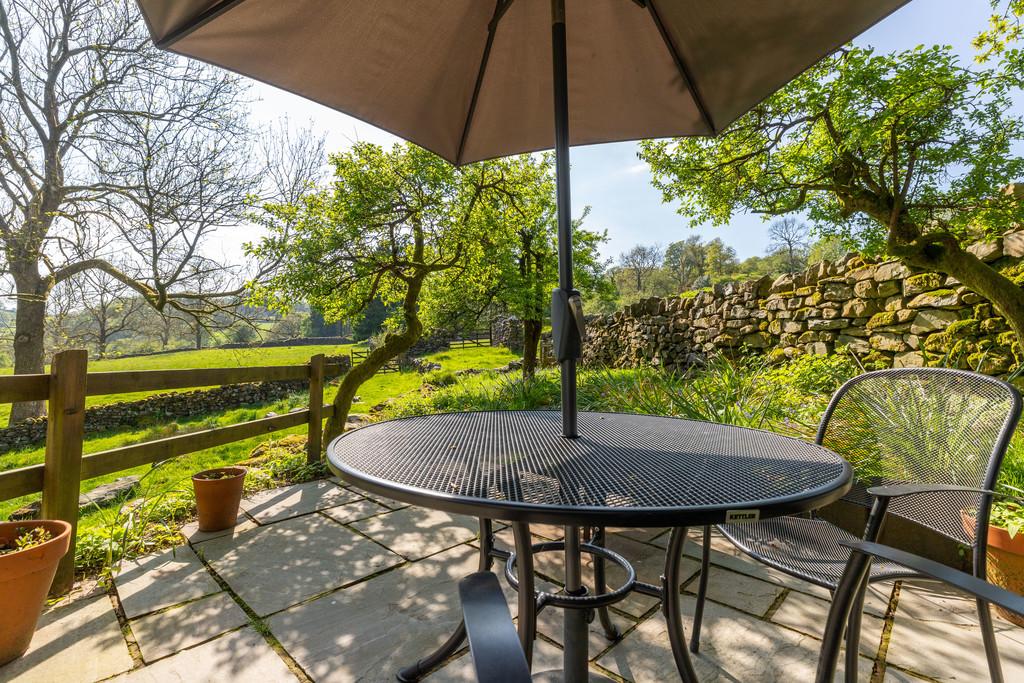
(741, 516)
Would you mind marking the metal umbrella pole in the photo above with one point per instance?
(566, 306)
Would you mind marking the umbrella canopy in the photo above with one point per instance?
(472, 79)
(478, 79)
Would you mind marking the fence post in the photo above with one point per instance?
(314, 442)
(63, 466)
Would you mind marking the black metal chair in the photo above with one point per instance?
(498, 655)
(851, 585)
(939, 434)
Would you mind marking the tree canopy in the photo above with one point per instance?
(906, 154)
(390, 224)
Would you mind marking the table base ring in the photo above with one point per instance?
(585, 601)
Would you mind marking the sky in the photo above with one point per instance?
(610, 178)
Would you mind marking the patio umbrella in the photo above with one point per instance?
(478, 79)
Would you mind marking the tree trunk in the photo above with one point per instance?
(945, 255)
(394, 345)
(29, 329)
(531, 342)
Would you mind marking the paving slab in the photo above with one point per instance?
(76, 643)
(239, 657)
(361, 509)
(934, 601)
(177, 628)
(193, 535)
(369, 631)
(735, 647)
(161, 580)
(275, 505)
(416, 532)
(656, 536)
(937, 644)
(743, 592)
(546, 657)
(808, 614)
(279, 565)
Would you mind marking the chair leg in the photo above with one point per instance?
(853, 636)
(702, 589)
(988, 634)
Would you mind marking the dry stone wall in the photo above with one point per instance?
(883, 312)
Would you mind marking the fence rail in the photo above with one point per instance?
(358, 356)
(481, 338)
(65, 389)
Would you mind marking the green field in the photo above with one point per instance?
(374, 391)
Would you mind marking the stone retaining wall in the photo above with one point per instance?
(880, 311)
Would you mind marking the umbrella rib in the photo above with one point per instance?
(684, 70)
(499, 11)
(196, 22)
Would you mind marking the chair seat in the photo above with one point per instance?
(808, 548)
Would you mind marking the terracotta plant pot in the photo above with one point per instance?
(218, 493)
(1005, 566)
(25, 578)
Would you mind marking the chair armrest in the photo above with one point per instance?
(493, 641)
(897, 490)
(958, 579)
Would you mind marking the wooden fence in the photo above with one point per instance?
(69, 383)
(358, 356)
(482, 338)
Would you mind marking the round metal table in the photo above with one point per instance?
(623, 470)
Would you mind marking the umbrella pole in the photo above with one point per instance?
(561, 92)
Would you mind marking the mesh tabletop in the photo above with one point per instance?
(635, 470)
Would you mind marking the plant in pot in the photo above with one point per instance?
(218, 494)
(1005, 566)
(29, 554)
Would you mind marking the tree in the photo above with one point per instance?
(519, 261)
(720, 259)
(641, 261)
(686, 261)
(390, 220)
(789, 237)
(103, 134)
(828, 248)
(906, 154)
(107, 309)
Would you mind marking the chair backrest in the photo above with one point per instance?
(925, 425)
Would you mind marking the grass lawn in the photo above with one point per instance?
(176, 472)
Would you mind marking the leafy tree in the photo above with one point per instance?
(829, 248)
(389, 221)
(906, 154)
(686, 261)
(518, 265)
(720, 259)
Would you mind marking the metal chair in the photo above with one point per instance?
(938, 433)
(851, 585)
(498, 656)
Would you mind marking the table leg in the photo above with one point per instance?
(671, 605)
(418, 670)
(611, 632)
(574, 630)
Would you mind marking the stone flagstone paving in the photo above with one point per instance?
(320, 582)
